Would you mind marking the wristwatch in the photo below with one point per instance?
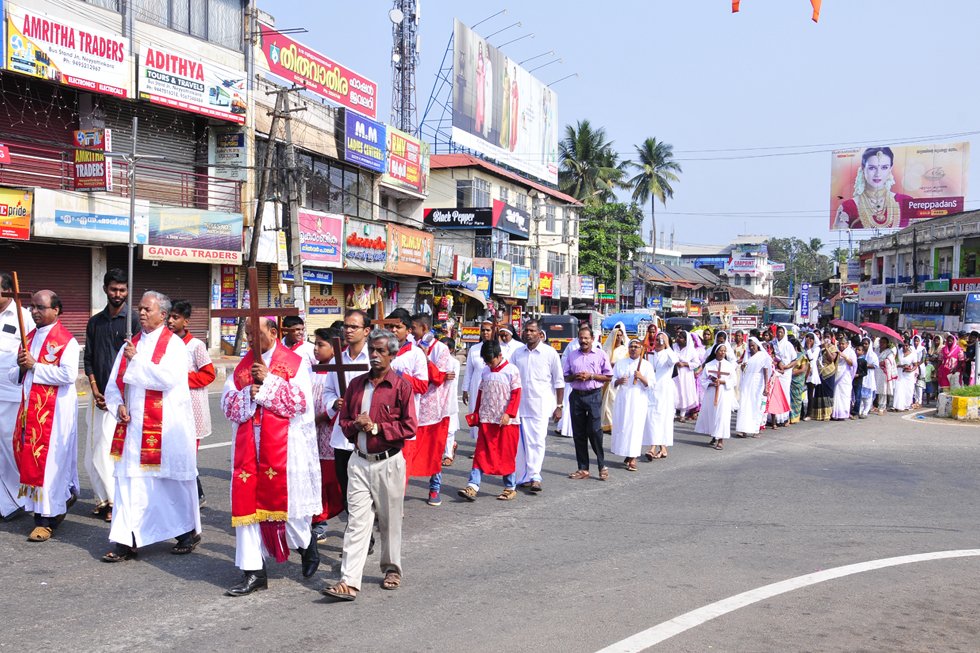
(374, 428)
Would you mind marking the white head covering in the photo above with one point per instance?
(610, 345)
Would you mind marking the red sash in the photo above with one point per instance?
(259, 491)
(150, 446)
(35, 418)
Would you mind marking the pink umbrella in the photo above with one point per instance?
(846, 326)
(882, 331)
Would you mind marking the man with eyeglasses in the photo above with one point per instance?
(11, 505)
(46, 433)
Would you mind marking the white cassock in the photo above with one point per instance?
(9, 405)
(541, 374)
(302, 458)
(630, 407)
(713, 420)
(752, 390)
(61, 467)
(844, 383)
(471, 379)
(660, 415)
(155, 504)
(304, 349)
(786, 354)
(905, 384)
(453, 407)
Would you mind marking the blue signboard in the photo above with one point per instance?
(324, 277)
(804, 300)
(655, 303)
(364, 142)
(483, 277)
(587, 286)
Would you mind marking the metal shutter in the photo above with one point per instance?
(37, 120)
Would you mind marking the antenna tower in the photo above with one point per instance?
(404, 17)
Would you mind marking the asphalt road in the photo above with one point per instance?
(577, 568)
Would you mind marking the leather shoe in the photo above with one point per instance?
(251, 582)
(311, 558)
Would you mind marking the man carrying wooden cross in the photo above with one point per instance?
(12, 316)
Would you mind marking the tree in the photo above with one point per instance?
(656, 172)
(599, 226)
(588, 168)
(803, 259)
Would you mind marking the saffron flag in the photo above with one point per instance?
(813, 3)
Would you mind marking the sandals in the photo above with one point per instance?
(649, 455)
(604, 474)
(187, 546)
(447, 461)
(714, 441)
(719, 446)
(393, 580)
(341, 591)
(579, 475)
(508, 494)
(631, 465)
(468, 493)
(40, 534)
(121, 554)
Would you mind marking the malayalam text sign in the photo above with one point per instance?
(409, 251)
(407, 165)
(321, 237)
(93, 171)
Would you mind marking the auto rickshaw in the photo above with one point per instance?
(559, 330)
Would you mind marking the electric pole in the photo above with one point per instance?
(619, 299)
(293, 181)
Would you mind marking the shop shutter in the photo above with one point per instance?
(37, 120)
(65, 270)
(324, 298)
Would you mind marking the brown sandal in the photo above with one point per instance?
(579, 475)
(341, 591)
(392, 580)
(40, 534)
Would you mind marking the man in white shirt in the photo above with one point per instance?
(11, 506)
(542, 393)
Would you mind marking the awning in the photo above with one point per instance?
(478, 296)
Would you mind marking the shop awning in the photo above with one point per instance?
(475, 294)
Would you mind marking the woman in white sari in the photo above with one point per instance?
(659, 432)
(885, 375)
(908, 370)
(715, 418)
(616, 349)
(688, 359)
(811, 347)
(752, 391)
(844, 388)
(631, 377)
(783, 361)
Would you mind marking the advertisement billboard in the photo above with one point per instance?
(58, 50)
(546, 284)
(409, 251)
(407, 166)
(364, 142)
(886, 187)
(520, 281)
(194, 236)
(458, 218)
(500, 110)
(483, 276)
(85, 216)
(189, 82)
(93, 171)
(365, 245)
(320, 236)
(296, 63)
(15, 213)
(743, 265)
(502, 274)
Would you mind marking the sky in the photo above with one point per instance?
(753, 103)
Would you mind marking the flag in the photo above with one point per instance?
(813, 3)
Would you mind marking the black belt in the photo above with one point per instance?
(376, 457)
(586, 392)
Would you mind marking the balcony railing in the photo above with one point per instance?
(50, 167)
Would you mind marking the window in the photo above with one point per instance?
(556, 263)
(738, 280)
(473, 193)
(329, 186)
(549, 218)
(482, 247)
(216, 21)
(504, 194)
(521, 201)
(518, 254)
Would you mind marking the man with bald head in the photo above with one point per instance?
(154, 442)
(46, 432)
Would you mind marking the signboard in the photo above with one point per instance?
(777, 267)
(500, 110)
(364, 142)
(849, 289)
(296, 63)
(602, 288)
(966, 284)
(189, 82)
(483, 277)
(587, 286)
(805, 300)
(320, 237)
(937, 285)
(229, 155)
(92, 170)
(463, 270)
(15, 213)
(885, 187)
(4, 155)
(458, 218)
(744, 321)
(312, 276)
(511, 219)
(365, 245)
(325, 302)
(515, 317)
(55, 48)
(520, 282)
(871, 295)
(470, 334)
(502, 274)
(743, 265)
(854, 269)
(444, 262)
(656, 303)
(718, 262)
(678, 305)
(84, 216)
(546, 282)
(194, 236)
(407, 165)
(409, 251)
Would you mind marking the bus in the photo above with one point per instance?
(940, 311)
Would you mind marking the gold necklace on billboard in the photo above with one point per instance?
(874, 208)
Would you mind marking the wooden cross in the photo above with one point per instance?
(18, 296)
(379, 321)
(254, 312)
(718, 377)
(340, 367)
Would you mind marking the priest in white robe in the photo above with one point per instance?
(631, 378)
(155, 440)
(275, 483)
(45, 436)
(11, 505)
(659, 431)
(715, 418)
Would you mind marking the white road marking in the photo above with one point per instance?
(653, 636)
(215, 445)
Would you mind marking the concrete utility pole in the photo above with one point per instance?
(619, 243)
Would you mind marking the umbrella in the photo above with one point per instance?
(882, 331)
(846, 326)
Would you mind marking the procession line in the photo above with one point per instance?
(663, 631)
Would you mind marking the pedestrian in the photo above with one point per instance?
(868, 384)
(797, 390)
(474, 370)
(450, 453)
(843, 386)
(45, 438)
(154, 443)
(586, 370)
(784, 360)
(886, 375)
(275, 477)
(411, 364)
(688, 360)
(331, 494)
(950, 358)
(294, 337)
(715, 417)
(105, 335)
(811, 346)
(907, 372)
(659, 431)
(542, 395)
(11, 504)
(564, 425)
(616, 350)
(752, 398)
(377, 416)
(631, 376)
(508, 344)
(823, 397)
(200, 375)
(929, 377)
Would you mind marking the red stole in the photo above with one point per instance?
(36, 417)
(150, 445)
(259, 491)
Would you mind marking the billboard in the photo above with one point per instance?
(190, 82)
(409, 251)
(15, 213)
(90, 217)
(364, 142)
(520, 281)
(365, 245)
(884, 187)
(500, 110)
(93, 170)
(57, 49)
(194, 236)
(502, 278)
(546, 284)
(296, 63)
(320, 236)
(407, 166)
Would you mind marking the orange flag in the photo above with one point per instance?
(735, 6)
(813, 3)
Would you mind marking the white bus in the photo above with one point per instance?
(940, 311)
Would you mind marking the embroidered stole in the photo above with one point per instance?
(150, 445)
(35, 419)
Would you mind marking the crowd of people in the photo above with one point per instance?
(342, 423)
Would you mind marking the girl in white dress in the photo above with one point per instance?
(715, 418)
(688, 359)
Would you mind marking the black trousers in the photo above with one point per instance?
(341, 458)
(586, 408)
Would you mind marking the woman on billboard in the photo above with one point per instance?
(874, 205)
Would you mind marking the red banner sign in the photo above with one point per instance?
(966, 284)
(4, 155)
(546, 284)
(93, 171)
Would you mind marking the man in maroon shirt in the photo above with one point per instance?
(377, 415)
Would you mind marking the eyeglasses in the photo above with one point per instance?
(353, 326)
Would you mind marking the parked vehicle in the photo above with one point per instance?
(636, 323)
(586, 316)
(675, 324)
(559, 330)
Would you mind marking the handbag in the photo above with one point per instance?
(472, 419)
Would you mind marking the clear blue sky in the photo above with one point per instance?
(693, 74)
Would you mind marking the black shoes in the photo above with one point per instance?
(311, 558)
(251, 582)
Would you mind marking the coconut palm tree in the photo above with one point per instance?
(656, 172)
(588, 170)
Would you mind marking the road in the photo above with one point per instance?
(582, 566)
